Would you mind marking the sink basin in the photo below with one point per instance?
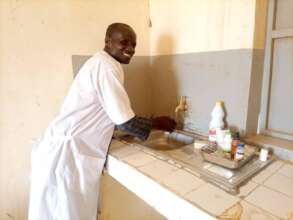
(164, 141)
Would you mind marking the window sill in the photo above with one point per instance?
(281, 147)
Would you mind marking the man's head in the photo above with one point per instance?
(120, 42)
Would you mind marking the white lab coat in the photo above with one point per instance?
(67, 164)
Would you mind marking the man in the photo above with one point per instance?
(67, 164)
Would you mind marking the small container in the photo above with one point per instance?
(263, 156)
(235, 142)
(239, 152)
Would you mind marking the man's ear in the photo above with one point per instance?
(108, 41)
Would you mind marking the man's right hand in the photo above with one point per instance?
(164, 123)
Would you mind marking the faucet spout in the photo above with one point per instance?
(182, 105)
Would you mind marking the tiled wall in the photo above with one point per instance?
(205, 78)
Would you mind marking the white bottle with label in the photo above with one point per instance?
(217, 122)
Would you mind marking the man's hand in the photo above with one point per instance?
(164, 123)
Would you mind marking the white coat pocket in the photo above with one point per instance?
(78, 172)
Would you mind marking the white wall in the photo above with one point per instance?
(37, 40)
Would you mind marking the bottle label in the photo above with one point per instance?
(240, 151)
(212, 135)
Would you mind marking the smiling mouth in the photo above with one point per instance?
(127, 55)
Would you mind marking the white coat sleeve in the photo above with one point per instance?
(115, 100)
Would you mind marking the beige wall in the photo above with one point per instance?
(37, 40)
(201, 25)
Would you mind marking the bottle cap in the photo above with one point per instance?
(236, 135)
(240, 144)
(219, 103)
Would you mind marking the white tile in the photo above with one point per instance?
(115, 144)
(124, 151)
(244, 190)
(138, 159)
(287, 170)
(245, 211)
(158, 169)
(182, 182)
(174, 163)
(193, 172)
(267, 172)
(280, 183)
(154, 153)
(272, 201)
(212, 199)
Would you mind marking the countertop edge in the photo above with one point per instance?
(161, 199)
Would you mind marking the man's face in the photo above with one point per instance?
(121, 45)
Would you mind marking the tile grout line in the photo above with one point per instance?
(139, 166)
(268, 175)
(257, 185)
(290, 197)
(263, 182)
(198, 206)
(264, 210)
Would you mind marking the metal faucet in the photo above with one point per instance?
(182, 105)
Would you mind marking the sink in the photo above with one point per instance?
(164, 141)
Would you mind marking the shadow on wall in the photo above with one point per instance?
(164, 78)
(77, 62)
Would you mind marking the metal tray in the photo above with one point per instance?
(214, 154)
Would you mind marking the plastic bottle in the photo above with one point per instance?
(217, 121)
(227, 142)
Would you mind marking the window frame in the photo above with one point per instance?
(267, 75)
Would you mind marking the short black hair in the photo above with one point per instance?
(112, 28)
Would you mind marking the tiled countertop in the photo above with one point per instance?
(178, 193)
